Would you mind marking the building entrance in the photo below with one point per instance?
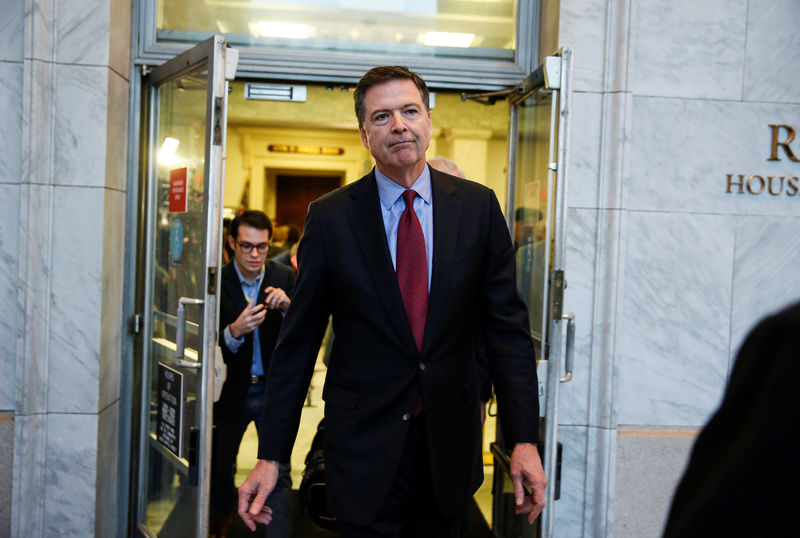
(279, 155)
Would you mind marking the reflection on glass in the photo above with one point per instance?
(445, 28)
(531, 210)
(178, 272)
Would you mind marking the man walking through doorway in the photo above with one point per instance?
(409, 262)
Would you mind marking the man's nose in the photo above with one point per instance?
(398, 123)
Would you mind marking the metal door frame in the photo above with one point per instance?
(221, 64)
(555, 75)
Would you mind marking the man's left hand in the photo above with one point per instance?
(526, 468)
(276, 299)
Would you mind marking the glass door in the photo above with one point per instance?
(537, 219)
(186, 103)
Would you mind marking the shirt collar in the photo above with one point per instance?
(244, 281)
(389, 191)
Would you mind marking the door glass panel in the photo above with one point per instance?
(533, 207)
(178, 271)
(533, 223)
(448, 28)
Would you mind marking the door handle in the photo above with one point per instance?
(569, 353)
(180, 332)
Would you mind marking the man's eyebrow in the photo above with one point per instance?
(401, 107)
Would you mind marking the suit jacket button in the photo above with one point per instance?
(406, 417)
(422, 366)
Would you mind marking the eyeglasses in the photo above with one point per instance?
(248, 247)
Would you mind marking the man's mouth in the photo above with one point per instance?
(401, 143)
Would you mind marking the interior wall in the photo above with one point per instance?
(479, 152)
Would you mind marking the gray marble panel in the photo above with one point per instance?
(81, 125)
(71, 475)
(673, 324)
(614, 148)
(569, 508)
(685, 48)
(108, 477)
(83, 31)
(76, 298)
(27, 509)
(9, 292)
(38, 89)
(40, 29)
(120, 43)
(649, 465)
(579, 300)
(608, 277)
(11, 29)
(11, 126)
(582, 27)
(772, 63)
(117, 132)
(683, 150)
(598, 514)
(765, 271)
(35, 234)
(113, 258)
(6, 470)
(584, 149)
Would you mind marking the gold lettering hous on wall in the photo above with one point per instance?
(781, 139)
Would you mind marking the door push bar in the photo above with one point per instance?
(570, 351)
(180, 332)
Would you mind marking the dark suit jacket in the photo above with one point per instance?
(744, 472)
(231, 304)
(376, 372)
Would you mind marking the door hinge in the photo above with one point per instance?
(218, 102)
(135, 324)
(558, 285)
(212, 281)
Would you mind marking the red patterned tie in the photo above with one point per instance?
(412, 268)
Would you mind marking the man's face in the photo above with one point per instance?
(397, 127)
(254, 240)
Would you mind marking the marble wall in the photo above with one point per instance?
(64, 100)
(666, 270)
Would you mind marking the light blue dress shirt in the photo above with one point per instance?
(393, 205)
(251, 291)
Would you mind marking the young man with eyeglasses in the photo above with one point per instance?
(254, 298)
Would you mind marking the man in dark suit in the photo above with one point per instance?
(744, 472)
(254, 297)
(409, 261)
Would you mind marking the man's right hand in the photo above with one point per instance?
(254, 491)
(249, 320)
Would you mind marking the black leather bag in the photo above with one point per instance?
(313, 493)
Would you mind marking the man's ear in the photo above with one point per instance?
(364, 139)
(232, 242)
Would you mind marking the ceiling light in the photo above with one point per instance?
(448, 39)
(166, 155)
(283, 29)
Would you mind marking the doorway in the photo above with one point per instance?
(262, 171)
(295, 190)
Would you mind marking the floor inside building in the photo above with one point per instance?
(302, 526)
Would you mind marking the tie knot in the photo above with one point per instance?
(408, 196)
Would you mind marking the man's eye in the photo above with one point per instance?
(412, 111)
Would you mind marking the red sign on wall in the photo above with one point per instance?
(177, 190)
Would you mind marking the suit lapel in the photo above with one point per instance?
(367, 223)
(446, 209)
